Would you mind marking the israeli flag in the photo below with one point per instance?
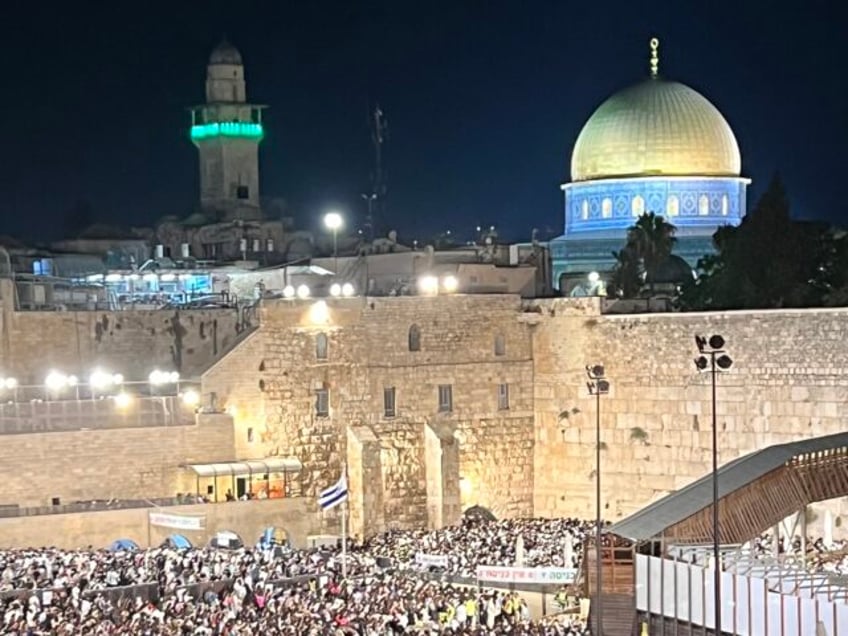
(334, 495)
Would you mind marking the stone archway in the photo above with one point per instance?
(479, 513)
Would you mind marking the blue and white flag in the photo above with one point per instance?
(334, 495)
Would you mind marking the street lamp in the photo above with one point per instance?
(714, 359)
(598, 385)
(333, 222)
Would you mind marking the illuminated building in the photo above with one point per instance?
(658, 146)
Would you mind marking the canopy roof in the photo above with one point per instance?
(755, 492)
(248, 467)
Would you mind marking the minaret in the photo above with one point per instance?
(227, 131)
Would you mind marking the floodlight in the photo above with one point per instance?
(123, 400)
(724, 362)
(450, 283)
(303, 291)
(348, 290)
(428, 285)
(716, 342)
(335, 290)
(288, 291)
(191, 397)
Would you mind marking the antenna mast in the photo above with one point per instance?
(379, 134)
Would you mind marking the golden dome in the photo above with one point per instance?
(655, 128)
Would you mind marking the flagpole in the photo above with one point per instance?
(344, 539)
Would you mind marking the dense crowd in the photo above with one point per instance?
(369, 602)
(546, 543)
(820, 557)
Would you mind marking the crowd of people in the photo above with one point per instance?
(475, 542)
(211, 591)
(817, 555)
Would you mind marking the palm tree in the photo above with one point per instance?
(651, 238)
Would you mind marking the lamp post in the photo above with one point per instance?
(713, 359)
(598, 385)
(333, 222)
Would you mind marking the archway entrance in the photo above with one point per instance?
(479, 513)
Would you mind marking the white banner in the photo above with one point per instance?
(431, 560)
(539, 576)
(179, 522)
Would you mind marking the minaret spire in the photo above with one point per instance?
(655, 57)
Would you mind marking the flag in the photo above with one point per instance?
(334, 495)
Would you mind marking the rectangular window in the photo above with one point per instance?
(242, 192)
(503, 397)
(250, 435)
(389, 402)
(445, 398)
(322, 403)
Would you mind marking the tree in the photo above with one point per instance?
(652, 239)
(649, 244)
(626, 278)
(768, 261)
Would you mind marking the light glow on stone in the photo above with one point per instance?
(247, 130)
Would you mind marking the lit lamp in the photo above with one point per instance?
(712, 360)
(56, 382)
(333, 221)
(123, 400)
(428, 285)
(159, 378)
(10, 384)
(450, 284)
(191, 398)
(100, 382)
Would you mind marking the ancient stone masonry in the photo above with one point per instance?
(130, 342)
(368, 353)
(788, 382)
(431, 404)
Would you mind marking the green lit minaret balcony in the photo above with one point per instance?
(245, 130)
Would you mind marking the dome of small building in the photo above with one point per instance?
(655, 128)
(225, 53)
(673, 271)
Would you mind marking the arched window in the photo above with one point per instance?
(414, 338)
(672, 206)
(606, 208)
(500, 345)
(321, 346)
(637, 206)
(725, 204)
(703, 205)
(584, 210)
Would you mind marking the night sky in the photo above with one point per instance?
(484, 101)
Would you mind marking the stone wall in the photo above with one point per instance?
(248, 519)
(788, 382)
(271, 380)
(129, 342)
(130, 463)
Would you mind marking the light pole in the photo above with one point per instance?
(333, 221)
(714, 359)
(598, 385)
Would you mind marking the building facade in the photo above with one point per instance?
(660, 147)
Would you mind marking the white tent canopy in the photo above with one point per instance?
(248, 467)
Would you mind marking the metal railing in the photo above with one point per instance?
(99, 505)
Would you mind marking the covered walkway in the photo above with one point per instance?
(756, 492)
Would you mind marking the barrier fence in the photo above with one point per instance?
(151, 592)
(751, 606)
